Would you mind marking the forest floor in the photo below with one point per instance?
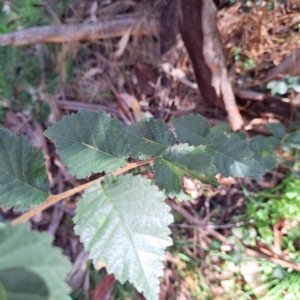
(140, 76)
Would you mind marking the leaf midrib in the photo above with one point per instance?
(89, 146)
(126, 230)
(229, 157)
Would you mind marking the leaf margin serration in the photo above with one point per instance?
(84, 225)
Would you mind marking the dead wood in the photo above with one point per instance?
(248, 94)
(110, 28)
(198, 27)
(290, 65)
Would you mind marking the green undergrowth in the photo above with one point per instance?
(21, 68)
(123, 220)
(222, 269)
(20, 76)
(279, 206)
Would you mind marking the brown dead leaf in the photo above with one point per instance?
(194, 187)
(123, 43)
(144, 75)
(104, 288)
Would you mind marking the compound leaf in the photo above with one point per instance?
(192, 129)
(90, 142)
(30, 267)
(183, 160)
(124, 223)
(149, 138)
(233, 157)
(23, 178)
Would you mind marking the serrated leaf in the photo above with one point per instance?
(90, 142)
(30, 267)
(23, 178)
(232, 157)
(149, 138)
(192, 129)
(183, 160)
(277, 129)
(124, 223)
(263, 152)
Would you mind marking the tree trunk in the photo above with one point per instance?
(198, 27)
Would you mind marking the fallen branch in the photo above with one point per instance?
(110, 28)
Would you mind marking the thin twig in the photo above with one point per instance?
(52, 199)
(195, 220)
(250, 252)
(278, 261)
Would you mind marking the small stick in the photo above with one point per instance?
(249, 252)
(52, 199)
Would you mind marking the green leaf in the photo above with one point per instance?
(293, 140)
(277, 129)
(263, 152)
(30, 267)
(274, 142)
(296, 88)
(295, 125)
(279, 273)
(23, 178)
(124, 223)
(272, 84)
(149, 138)
(192, 129)
(183, 160)
(232, 157)
(237, 257)
(271, 5)
(282, 88)
(220, 128)
(246, 9)
(90, 142)
(277, 87)
(241, 135)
